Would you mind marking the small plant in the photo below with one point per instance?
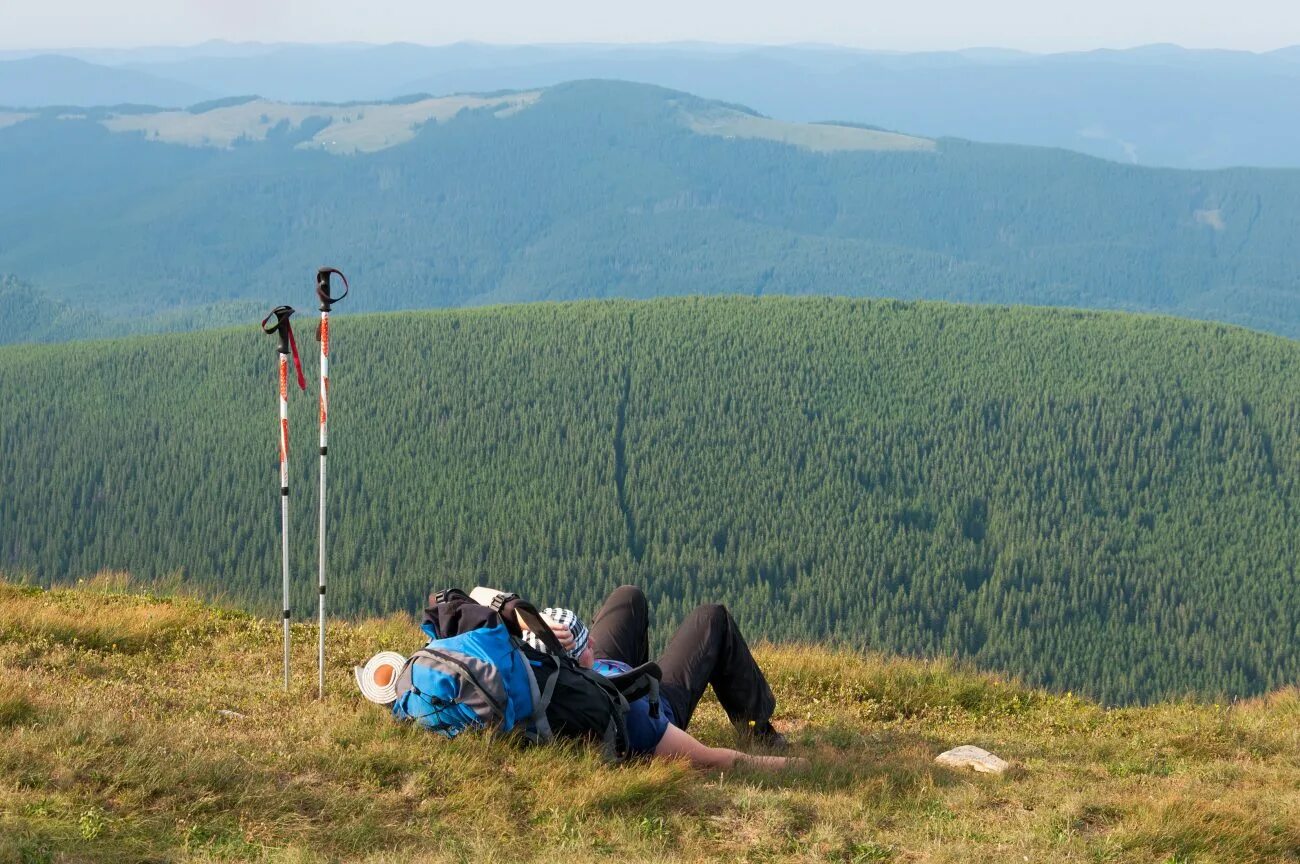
(653, 828)
(864, 851)
(92, 823)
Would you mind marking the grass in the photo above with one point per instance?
(112, 749)
(818, 137)
(352, 128)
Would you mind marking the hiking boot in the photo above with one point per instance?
(762, 734)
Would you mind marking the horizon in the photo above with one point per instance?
(648, 44)
(1256, 26)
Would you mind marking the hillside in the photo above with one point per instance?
(155, 773)
(55, 80)
(31, 315)
(601, 189)
(1098, 503)
(1152, 105)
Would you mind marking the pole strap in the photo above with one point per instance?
(297, 364)
(288, 344)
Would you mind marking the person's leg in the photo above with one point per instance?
(709, 650)
(620, 630)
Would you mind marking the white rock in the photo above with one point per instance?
(230, 715)
(968, 756)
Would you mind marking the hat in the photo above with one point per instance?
(565, 618)
(378, 678)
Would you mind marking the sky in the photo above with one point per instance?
(1032, 25)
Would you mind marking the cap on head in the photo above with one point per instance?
(565, 618)
(377, 680)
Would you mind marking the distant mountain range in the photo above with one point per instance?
(603, 189)
(55, 80)
(1154, 105)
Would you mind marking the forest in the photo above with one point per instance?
(1095, 502)
(606, 189)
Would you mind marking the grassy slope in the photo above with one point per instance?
(128, 760)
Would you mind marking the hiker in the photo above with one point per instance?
(655, 723)
(707, 649)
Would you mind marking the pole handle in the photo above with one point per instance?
(288, 345)
(281, 326)
(323, 287)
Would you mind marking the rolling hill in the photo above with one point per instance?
(193, 752)
(601, 189)
(1095, 502)
(36, 82)
(1151, 105)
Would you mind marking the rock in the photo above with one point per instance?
(976, 758)
(230, 715)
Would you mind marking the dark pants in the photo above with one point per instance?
(706, 650)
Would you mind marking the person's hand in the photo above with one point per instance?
(562, 633)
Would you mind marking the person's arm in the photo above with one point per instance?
(680, 743)
(562, 633)
(484, 597)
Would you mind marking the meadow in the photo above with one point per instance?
(142, 728)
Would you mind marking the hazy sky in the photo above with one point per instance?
(1036, 25)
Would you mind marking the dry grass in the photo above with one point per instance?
(818, 137)
(111, 749)
(351, 129)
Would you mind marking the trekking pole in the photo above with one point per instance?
(283, 329)
(323, 294)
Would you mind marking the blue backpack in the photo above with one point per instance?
(474, 680)
(476, 673)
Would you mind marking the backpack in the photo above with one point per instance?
(580, 703)
(474, 679)
(476, 672)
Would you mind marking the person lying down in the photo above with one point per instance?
(707, 650)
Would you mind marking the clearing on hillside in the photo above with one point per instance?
(10, 118)
(819, 137)
(348, 129)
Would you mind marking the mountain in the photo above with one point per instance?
(54, 80)
(194, 752)
(149, 54)
(1167, 107)
(1152, 105)
(1095, 502)
(31, 315)
(606, 189)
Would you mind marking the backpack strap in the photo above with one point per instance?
(616, 745)
(501, 600)
(541, 727)
(528, 612)
(639, 682)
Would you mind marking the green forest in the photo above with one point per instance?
(1098, 502)
(605, 189)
